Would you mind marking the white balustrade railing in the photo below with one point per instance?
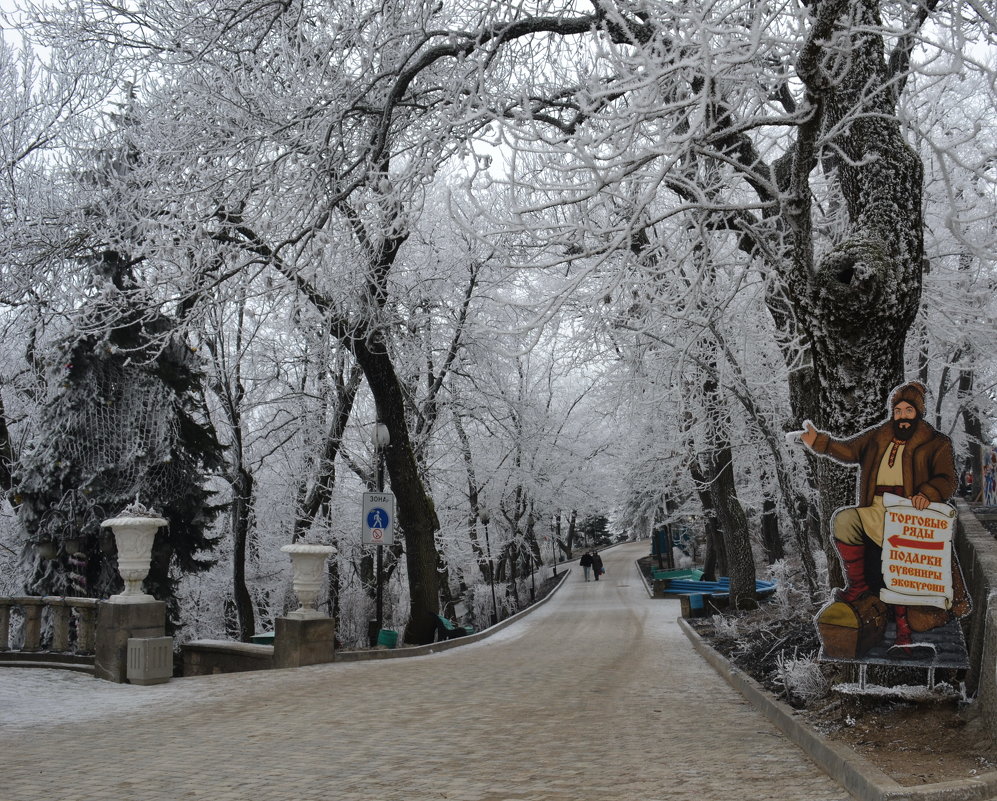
(28, 617)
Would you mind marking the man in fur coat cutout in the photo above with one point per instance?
(904, 456)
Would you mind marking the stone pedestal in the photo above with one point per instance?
(116, 623)
(303, 641)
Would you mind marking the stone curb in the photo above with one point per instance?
(856, 774)
(446, 645)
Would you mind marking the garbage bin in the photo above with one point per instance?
(262, 638)
(387, 637)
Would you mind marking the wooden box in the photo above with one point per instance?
(849, 629)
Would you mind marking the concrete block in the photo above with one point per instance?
(300, 642)
(150, 660)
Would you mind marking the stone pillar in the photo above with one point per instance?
(116, 622)
(86, 626)
(59, 613)
(303, 641)
(32, 608)
(5, 605)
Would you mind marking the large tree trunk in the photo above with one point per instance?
(416, 513)
(715, 561)
(241, 521)
(718, 466)
(733, 525)
(858, 302)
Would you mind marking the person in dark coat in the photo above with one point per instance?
(586, 563)
(597, 565)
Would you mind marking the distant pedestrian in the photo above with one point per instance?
(586, 563)
(597, 565)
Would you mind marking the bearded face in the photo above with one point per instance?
(905, 419)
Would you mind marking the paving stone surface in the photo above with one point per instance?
(596, 695)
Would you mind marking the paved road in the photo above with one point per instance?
(596, 695)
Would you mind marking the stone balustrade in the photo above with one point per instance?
(52, 614)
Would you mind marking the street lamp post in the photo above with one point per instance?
(381, 441)
(485, 517)
(553, 544)
(533, 573)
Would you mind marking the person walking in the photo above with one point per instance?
(597, 565)
(586, 563)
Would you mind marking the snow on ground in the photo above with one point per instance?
(32, 698)
(35, 698)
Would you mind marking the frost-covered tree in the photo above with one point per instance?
(294, 148)
(122, 422)
(782, 127)
(953, 110)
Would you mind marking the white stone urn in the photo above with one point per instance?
(308, 567)
(134, 531)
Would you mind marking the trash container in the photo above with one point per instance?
(387, 637)
(263, 638)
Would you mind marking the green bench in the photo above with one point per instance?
(447, 629)
(688, 574)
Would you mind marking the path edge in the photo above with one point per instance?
(446, 645)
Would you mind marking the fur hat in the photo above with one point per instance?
(912, 393)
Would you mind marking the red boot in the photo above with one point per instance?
(904, 646)
(853, 560)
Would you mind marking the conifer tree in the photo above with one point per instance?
(121, 423)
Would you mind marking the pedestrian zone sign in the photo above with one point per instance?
(378, 518)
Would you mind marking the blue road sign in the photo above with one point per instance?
(377, 519)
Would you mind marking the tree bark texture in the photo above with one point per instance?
(718, 467)
(241, 522)
(715, 561)
(857, 302)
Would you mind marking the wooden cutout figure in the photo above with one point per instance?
(906, 474)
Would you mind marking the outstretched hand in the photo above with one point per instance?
(920, 501)
(809, 435)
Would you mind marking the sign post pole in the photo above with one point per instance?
(377, 526)
(379, 604)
